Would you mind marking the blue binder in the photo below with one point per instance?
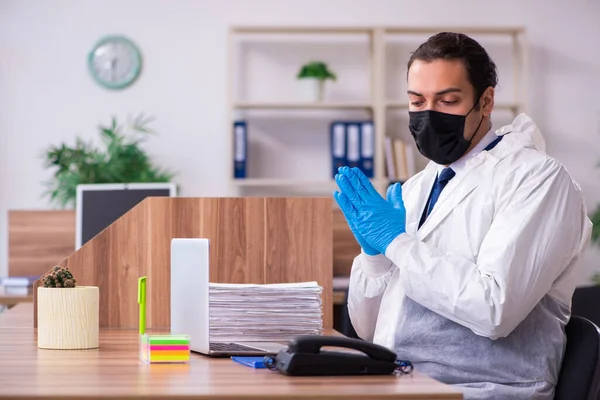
(240, 137)
(367, 147)
(353, 144)
(338, 145)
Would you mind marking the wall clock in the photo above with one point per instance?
(115, 62)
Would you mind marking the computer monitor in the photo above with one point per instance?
(99, 205)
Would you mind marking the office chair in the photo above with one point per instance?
(579, 377)
(585, 303)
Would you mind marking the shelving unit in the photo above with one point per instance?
(377, 105)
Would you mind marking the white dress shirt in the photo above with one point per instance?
(458, 166)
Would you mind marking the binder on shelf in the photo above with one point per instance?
(240, 138)
(353, 144)
(367, 145)
(390, 162)
(338, 146)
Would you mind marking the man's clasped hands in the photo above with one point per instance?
(374, 221)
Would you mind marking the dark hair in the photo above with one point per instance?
(481, 69)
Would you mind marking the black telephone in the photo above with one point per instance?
(304, 356)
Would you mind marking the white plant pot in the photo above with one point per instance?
(313, 90)
(68, 318)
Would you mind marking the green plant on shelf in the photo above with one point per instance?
(59, 277)
(316, 70)
(121, 159)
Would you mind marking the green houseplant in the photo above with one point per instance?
(68, 315)
(119, 159)
(595, 218)
(315, 74)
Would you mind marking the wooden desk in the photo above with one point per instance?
(340, 287)
(10, 299)
(113, 370)
(339, 297)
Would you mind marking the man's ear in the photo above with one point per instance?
(487, 101)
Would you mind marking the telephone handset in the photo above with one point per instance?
(305, 356)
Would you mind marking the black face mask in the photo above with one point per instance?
(440, 136)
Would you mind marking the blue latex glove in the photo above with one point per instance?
(346, 208)
(377, 222)
(394, 196)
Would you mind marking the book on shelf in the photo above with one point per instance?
(399, 159)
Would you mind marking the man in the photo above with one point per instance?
(468, 269)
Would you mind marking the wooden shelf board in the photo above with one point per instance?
(467, 30)
(301, 106)
(302, 29)
(282, 182)
(257, 182)
(369, 29)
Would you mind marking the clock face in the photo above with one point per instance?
(115, 62)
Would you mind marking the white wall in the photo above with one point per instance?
(47, 95)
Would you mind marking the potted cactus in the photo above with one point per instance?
(314, 75)
(68, 315)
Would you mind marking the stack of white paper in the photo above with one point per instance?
(265, 312)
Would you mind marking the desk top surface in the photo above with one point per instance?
(114, 370)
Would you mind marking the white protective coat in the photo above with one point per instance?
(508, 230)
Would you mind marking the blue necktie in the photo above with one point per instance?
(439, 185)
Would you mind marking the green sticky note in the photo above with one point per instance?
(169, 340)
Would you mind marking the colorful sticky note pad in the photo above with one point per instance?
(165, 348)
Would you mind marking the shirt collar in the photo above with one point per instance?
(459, 165)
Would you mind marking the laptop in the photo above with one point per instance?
(190, 302)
